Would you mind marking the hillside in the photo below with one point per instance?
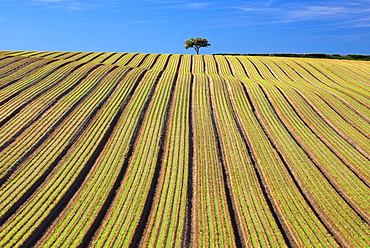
(160, 150)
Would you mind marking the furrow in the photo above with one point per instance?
(324, 111)
(15, 204)
(45, 110)
(78, 181)
(276, 239)
(148, 206)
(64, 179)
(334, 102)
(27, 114)
(105, 171)
(186, 240)
(281, 181)
(121, 221)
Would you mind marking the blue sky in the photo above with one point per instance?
(151, 26)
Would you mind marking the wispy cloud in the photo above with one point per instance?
(314, 12)
(269, 2)
(311, 12)
(358, 12)
(183, 5)
(54, 1)
(332, 13)
(64, 4)
(199, 5)
(360, 23)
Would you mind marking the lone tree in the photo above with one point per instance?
(196, 43)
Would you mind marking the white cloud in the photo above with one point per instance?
(54, 1)
(360, 23)
(269, 2)
(178, 4)
(199, 5)
(312, 12)
(335, 12)
(63, 4)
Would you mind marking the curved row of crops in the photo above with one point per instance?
(160, 150)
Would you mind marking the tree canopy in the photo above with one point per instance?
(196, 43)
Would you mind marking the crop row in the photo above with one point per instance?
(255, 221)
(7, 60)
(356, 81)
(88, 193)
(320, 81)
(22, 69)
(89, 101)
(75, 231)
(324, 110)
(32, 108)
(167, 220)
(354, 71)
(86, 124)
(106, 171)
(327, 141)
(126, 218)
(156, 150)
(338, 82)
(14, 185)
(209, 193)
(350, 114)
(13, 64)
(120, 59)
(319, 192)
(292, 211)
(30, 87)
(15, 87)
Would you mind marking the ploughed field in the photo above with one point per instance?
(159, 150)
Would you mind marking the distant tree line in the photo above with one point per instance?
(306, 55)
